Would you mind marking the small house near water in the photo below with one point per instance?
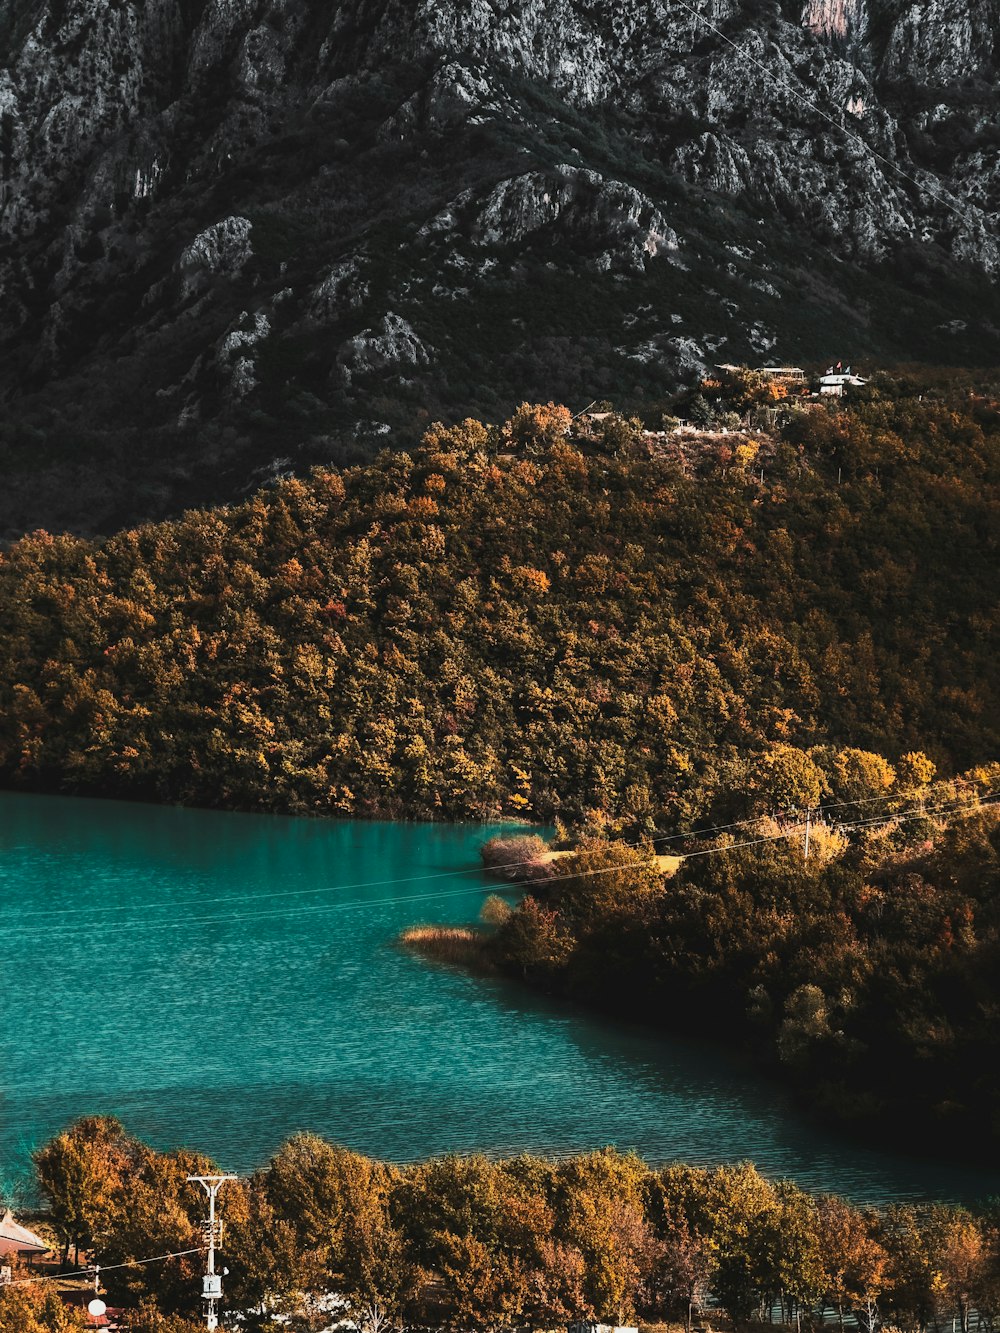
(18, 1241)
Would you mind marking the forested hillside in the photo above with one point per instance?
(527, 621)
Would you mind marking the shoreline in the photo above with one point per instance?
(386, 816)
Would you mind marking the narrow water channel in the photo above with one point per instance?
(222, 980)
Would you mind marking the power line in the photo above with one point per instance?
(104, 1268)
(65, 929)
(822, 808)
(268, 896)
(814, 106)
(144, 924)
(294, 893)
(884, 820)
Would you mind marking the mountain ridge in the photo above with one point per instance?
(243, 236)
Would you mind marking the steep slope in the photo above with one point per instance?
(245, 235)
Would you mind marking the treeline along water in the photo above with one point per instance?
(221, 980)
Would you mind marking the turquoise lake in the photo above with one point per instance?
(222, 980)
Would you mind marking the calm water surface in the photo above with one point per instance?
(222, 980)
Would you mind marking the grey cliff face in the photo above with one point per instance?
(942, 42)
(609, 224)
(250, 213)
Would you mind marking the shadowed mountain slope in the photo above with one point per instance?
(242, 236)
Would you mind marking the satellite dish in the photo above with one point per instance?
(97, 1307)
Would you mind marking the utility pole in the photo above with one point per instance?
(212, 1231)
(808, 825)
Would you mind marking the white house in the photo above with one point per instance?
(833, 382)
(18, 1240)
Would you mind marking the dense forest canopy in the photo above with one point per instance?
(547, 619)
(863, 974)
(474, 1244)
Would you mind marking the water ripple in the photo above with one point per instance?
(230, 1036)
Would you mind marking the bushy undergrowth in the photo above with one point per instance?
(524, 857)
(446, 944)
(866, 974)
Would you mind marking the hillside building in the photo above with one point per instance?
(833, 383)
(784, 374)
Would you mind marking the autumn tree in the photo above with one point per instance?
(620, 436)
(37, 1308)
(535, 427)
(600, 1209)
(853, 1262)
(806, 1024)
(531, 940)
(80, 1173)
(485, 1233)
(741, 1211)
(684, 1266)
(861, 777)
(962, 1262)
(796, 1253)
(786, 780)
(911, 1290)
(337, 1205)
(466, 437)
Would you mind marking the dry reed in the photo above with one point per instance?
(461, 946)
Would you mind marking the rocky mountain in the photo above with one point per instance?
(242, 236)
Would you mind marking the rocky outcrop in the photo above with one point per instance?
(340, 291)
(222, 249)
(586, 53)
(942, 42)
(585, 194)
(77, 80)
(610, 224)
(454, 94)
(235, 354)
(390, 345)
(840, 20)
